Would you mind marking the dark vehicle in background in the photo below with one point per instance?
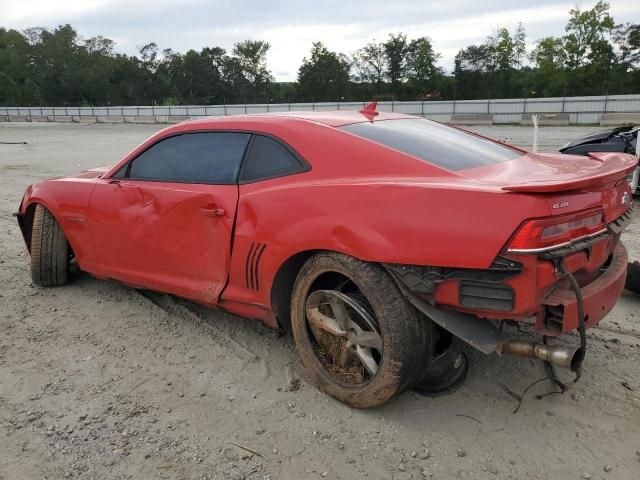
(619, 139)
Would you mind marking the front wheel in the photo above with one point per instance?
(358, 338)
(49, 250)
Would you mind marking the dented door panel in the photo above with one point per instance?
(164, 236)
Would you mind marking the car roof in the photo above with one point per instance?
(334, 118)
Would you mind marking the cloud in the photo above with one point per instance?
(292, 25)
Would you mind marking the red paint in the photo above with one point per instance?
(359, 198)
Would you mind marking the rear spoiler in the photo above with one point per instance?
(615, 166)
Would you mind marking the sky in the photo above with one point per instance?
(291, 26)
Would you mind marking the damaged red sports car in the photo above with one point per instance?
(379, 240)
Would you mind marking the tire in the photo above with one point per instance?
(448, 369)
(633, 277)
(405, 334)
(49, 250)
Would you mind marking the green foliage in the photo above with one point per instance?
(396, 49)
(585, 29)
(370, 64)
(324, 76)
(58, 67)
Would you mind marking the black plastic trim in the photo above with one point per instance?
(421, 279)
(486, 296)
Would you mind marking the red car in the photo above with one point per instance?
(368, 235)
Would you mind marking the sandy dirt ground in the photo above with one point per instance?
(101, 381)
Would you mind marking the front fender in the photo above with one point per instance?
(67, 200)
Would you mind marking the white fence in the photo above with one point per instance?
(577, 110)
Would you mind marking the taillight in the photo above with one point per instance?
(547, 233)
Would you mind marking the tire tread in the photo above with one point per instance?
(49, 250)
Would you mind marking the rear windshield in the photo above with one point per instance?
(432, 142)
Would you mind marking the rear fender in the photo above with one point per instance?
(381, 221)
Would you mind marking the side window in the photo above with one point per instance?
(210, 157)
(268, 158)
(122, 172)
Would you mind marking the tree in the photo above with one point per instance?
(584, 29)
(421, 59)
(149, 55)
(251, 58)
(627, 37)
(549, 56)
(370, 63)
(14, 69)
(395, 49)
(57, 67)
(99, 46)
(508, 50)
(473, 66)
(324, 75)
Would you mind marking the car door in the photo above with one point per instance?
(164, 221)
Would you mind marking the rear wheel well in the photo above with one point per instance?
(282, 288)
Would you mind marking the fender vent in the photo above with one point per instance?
(252, 265)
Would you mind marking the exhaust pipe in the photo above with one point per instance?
(558, 355)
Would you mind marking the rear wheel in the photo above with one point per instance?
(358, 338)
(49, 250)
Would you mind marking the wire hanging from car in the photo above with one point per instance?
(549, 368)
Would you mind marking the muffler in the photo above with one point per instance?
(558, 355)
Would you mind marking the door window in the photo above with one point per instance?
(207, 157)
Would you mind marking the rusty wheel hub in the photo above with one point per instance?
(345, 329)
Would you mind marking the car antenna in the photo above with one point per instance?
(370, 110)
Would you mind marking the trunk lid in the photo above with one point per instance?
(567, 182)
(547, 173)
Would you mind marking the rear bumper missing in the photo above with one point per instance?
(560, 306)
(599, 297)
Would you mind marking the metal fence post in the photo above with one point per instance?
(422, 108)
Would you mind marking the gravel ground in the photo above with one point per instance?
(98, 380)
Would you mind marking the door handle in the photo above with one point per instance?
(213, 211)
